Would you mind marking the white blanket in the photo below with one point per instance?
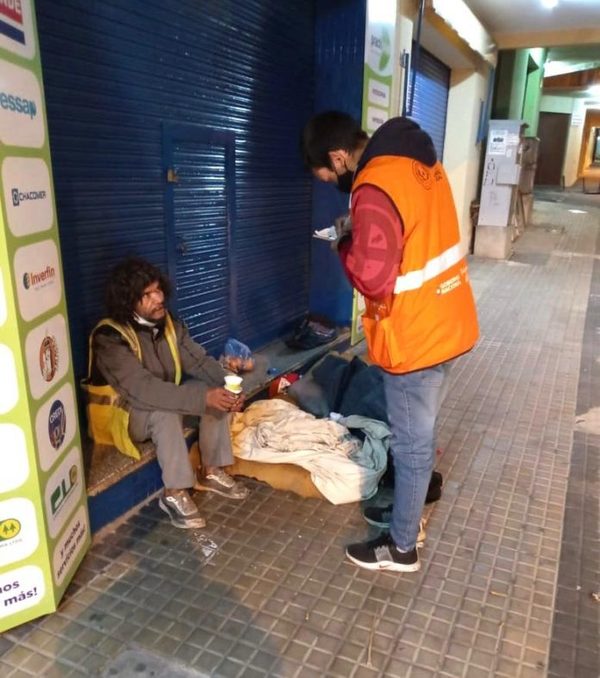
(342, 468)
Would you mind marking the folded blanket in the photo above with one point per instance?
(342, 467)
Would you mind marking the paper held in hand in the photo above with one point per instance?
(326, 233)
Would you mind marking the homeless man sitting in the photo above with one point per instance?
(139, 355)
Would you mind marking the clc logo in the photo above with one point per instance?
(63, 490)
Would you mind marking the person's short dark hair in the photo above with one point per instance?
(126, 285)
(330, 131)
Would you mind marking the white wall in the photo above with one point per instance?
(462, 156)
(468, 88)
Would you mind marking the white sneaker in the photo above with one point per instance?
(221, 483)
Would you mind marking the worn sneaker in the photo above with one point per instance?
(381, 516)
(182, 510)
(383, 554)
(221, 483)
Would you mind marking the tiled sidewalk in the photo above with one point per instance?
(277, 598)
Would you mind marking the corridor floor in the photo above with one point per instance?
(511, 562)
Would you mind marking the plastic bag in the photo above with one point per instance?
(237, 357)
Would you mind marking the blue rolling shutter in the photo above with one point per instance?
(115, 73)
(430, 100)
(201, 230)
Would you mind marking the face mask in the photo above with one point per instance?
(344, 181)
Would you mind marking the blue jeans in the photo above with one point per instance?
(413, 403)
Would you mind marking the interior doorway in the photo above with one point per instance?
(553, 130)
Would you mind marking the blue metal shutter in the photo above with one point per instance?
(114, 73)
(430, 100)
(202, 271)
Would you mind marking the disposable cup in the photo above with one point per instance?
(233, 383)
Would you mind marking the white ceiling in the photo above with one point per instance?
(529, 16)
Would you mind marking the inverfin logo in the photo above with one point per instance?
(38, 279)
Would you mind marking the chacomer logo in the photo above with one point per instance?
(40, 278)
(19, 197)
(57, 424)
(48, 358)
(11, 20)
(63, 490)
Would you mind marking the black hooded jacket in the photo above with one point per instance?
(401, 137)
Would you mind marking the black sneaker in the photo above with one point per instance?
(382, 554)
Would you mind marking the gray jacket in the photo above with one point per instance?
(149, 384)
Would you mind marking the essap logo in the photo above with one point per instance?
(11, 20)
(17, 104)
(57, 424)
(21, 196)
(9, 529)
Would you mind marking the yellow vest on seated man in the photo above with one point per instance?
(107, 413)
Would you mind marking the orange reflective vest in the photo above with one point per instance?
(107, 412)
(431, 316)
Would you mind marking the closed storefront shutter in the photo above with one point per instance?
(236, 238)
(430, 100)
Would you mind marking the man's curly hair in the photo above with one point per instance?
(126, 286)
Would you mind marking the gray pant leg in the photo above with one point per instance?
(214, 439)
(165, 430)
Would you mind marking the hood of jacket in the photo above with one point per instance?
(401, 137)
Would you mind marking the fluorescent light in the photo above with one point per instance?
(549, 4)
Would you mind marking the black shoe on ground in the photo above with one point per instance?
(434, 491)
(382, 554)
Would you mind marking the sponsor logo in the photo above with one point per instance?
(422, 175)
(9, 529)
(381, 50)
(21, 196)
(17, 104)
(449, 285)
(11, 20)
(62, 491)
(57, 424)
(48, 357)
(40, 278)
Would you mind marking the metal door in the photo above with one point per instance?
(200, 209)
(553, 131)
(430, 99)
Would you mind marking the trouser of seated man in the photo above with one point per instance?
(165, 430)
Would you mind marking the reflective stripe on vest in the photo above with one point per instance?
(415, 279)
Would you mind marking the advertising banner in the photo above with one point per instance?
(380, 45)
(44, 526)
